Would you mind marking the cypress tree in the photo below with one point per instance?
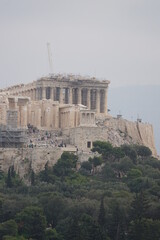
(32, 178)
(9, 179)
(101, 217)
(12, 171)
(139, 206)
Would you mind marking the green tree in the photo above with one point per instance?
(108, 172)
(65, 164)
(118, 153)
(84, 228)
(9, 183)
(47, 174)
(8, 228)
(139, 206)
(1, 175)
(125, 164)
(86, 165)
(12, 171)
(130, 152)
(135, 181)
(32, 178)
(13, 238)
(143, 151)
(134, 173)
(104, 148)
(101, 216)
(146, 229)
(117, 221)
(51, 234)
(95, 161)
(31, 223)
(54, 208)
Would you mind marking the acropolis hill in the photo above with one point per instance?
(72, 109)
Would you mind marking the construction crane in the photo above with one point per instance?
(50, 57)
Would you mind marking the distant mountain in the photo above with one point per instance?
(137, 102)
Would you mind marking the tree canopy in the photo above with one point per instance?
(114, 195)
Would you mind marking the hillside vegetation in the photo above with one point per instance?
(113, 196)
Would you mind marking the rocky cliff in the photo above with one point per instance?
(131, 133)
(117, 131)
(26, 159)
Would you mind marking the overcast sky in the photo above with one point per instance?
(114, 39)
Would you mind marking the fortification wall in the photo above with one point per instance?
(116, 131)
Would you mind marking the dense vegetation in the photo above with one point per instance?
(113, 196)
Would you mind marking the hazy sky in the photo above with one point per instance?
(114, 39)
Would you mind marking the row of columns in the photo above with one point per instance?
(94, 99)
(87, 118)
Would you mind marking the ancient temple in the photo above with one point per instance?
(74, 106)
(58, 101)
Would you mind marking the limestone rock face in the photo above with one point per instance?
(116, 131)
(133, 133)
(26, 159)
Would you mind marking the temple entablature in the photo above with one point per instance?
(67, 89)
(56, 102)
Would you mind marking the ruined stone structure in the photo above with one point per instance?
(75, 106)
(68, 89)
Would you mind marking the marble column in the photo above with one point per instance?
(34, 94)
(70, 96)
(47, 117)
(105, 102)
(37, 117)
(43, 93)
(37, 94)
(31, 95)
(98, 101)
(52, 93)
(61, 95)
(23, 116)
(89, 98)
(79, 96)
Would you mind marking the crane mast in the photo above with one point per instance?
(50, 57)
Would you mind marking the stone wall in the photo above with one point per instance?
(3, 109)
(116, 131)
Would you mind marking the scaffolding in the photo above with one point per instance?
(12, 138)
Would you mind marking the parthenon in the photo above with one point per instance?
(58, 101)
(67, 89)
(73, 105)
